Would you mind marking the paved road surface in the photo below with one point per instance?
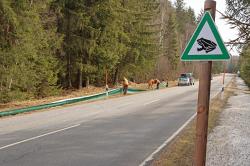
(115, 132)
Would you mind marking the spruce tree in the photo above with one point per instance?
(27, 51)
(172, 49)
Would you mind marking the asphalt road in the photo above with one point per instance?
(115, 132)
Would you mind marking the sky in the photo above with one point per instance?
(222, 25)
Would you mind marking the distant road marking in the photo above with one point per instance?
(125, 104)
(43, 135)
(152, 102)
(151, 156)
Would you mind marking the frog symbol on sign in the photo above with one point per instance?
(206, 45)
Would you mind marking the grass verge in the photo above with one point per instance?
(68, 94)
(180, 151)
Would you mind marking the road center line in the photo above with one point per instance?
(36, 137)
(125, 104)
(152, 102)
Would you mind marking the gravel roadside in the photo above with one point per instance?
(229, 143)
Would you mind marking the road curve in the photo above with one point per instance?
(114, 132)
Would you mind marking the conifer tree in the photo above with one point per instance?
(46, 44)
(28, 61)
(172, 50)
(245, 64)
(141, 48)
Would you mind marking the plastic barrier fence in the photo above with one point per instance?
(67, 101)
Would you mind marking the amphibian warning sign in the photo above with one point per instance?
(206, 43)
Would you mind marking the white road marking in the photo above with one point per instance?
(125, 104)
(151, 156)
(36, 137)
(152, 102)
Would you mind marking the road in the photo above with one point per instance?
(115, 132)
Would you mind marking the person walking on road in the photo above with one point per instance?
(125, 85)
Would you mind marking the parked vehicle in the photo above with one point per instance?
(186, 79)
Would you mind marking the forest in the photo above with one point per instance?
(48, 46)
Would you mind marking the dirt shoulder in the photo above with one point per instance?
(180, 151)
(65, 95)
(69, 94)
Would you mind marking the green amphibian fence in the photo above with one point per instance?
(66, 101)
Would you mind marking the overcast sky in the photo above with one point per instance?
(223, 27)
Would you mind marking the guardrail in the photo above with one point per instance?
(66, 101)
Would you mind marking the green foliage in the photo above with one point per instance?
(8, 96)
(245, 64)
(27, 49)
(46, 45)
(180, 15)
(108, 34)
(218, 67)
(237, 14)
(179, 28)
(142, 46)
(172, 48)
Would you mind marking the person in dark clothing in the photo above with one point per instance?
(157, 83)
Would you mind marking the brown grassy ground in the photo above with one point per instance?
(65, 95)
(68, 94)
(145, 85)
(180, 151)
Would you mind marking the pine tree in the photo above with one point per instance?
(245, 64)
(172, 49)
(27, 53)
(180, 15)
(72, 43)
(143, 44)
(237, 14)
(92, 32)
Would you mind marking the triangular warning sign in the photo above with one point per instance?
(206, 43)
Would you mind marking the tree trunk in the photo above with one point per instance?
(106, 76)
(80, 79)
(1, 85)
(87, 82)
(68, 52)
(10, 84)
(69, 71)
(80, 75)
(115, 79)
(31, 3)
